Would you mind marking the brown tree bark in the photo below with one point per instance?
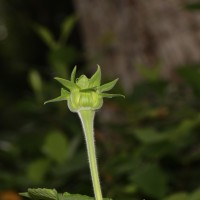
(123, 34)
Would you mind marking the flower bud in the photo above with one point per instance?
(89, 100)
(84, 93)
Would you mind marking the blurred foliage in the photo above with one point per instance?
(193, 6)
(157, 143)
(148, 144)
(43, 193)
(60, 55)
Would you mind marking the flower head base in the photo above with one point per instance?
(84, 93)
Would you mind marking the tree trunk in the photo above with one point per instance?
(123, 34)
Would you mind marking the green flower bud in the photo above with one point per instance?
(84, 101)
(84, 94)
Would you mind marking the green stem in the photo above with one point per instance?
(87, 120)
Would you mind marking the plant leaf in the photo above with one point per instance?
(56, 146)
(111, 95)
(73, 75)
(108, 86)
(51, 194)
(193, 6)
(149, 136)
(145, 179)
(45, 35)
(25, 194)
(95, 80)
(35, 81)
(67, 196)
(191, 75)
(67, 27)
(178, 196)
(37, 170)
(41, 194)
(195, 195)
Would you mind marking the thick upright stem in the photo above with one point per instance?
(87, 120)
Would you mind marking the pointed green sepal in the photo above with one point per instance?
(111, 95)
(68, 84)
(107, 86)
(57, 99)
(64, 93)
(95, 80)
(73, 75)
(63, 97)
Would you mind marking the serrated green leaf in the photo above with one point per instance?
(42, 194)
(73, 75)
(108, 86)
(111, 95)
(68, 84)
(95, 80)
(51, 194)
